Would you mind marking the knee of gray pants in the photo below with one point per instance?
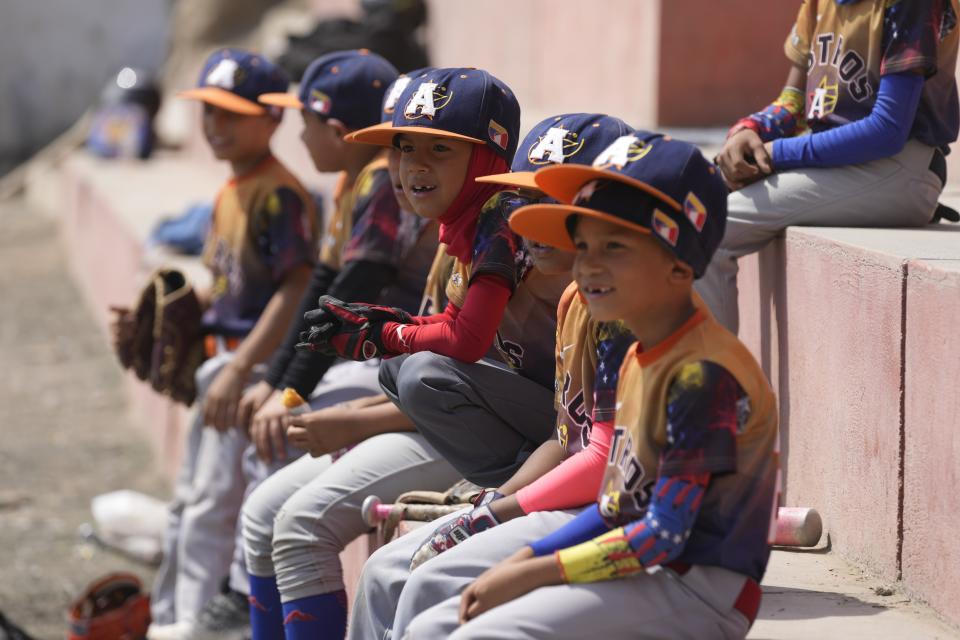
(415, 397)
(257, 526)
(440, 621)
(307, 546)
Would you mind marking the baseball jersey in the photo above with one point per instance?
(526, 337)
(672, 419)
(416, 250)
(588, 357)
(434, 298)
(264, 224)
(847, 48)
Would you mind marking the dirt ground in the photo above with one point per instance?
(65, 433)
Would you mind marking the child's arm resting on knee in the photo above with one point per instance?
(656, 539)
(880, 135)
(465, 334)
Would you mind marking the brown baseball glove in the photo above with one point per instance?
(177, 337)
(165, 343)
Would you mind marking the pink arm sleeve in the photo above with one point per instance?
(575, 481)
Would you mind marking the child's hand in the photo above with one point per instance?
(251, 401)
(744, 159)
(448, 535)
(267, 427)
(514, 577)
(223, 397)
(121, 327)
(321, 432)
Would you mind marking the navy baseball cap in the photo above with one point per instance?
(395, 90)
(233, 79)
(345, 85)
(643, 181)
(459, 103)
(573, 137)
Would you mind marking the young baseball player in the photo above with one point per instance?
(260, 250)
(452, 126)
(685, 507)
(374, 247)
(874, 83)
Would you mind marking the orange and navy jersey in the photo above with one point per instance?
(526, 337)
(846, 48)
(698, 403)
(264, 224)
(588, 357)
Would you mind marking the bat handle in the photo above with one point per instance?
(373, 511)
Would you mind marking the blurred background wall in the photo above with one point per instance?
(57, 55)
(676, 63)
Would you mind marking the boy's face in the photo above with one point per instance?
(235, 137)
(432, 171)
(623, 274)
(393, 168)
(324, 142)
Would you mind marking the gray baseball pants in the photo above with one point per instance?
(653, 606)
(389, 596)
(296, 523)
(899, 191)
(482, 417)
(202, 542)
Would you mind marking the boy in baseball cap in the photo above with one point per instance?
(689, 490)
(260, 250)
(492, 303)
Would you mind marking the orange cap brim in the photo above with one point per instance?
(285, 100)
(383, 134)
(522, 179)
(547, 223)
(563, 182)
(224, 99)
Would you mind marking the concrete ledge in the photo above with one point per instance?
(862, 369)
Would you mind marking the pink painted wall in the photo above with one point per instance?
(557, 55)
(931, 517)
(679, 63)
(720, 61)
(824, 319)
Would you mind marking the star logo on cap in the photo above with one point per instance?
(390, 104)
(225, 75)
(622, 151)
(556, 145)
(427, 100)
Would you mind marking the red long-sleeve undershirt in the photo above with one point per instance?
(575, 481)
(465, 334)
